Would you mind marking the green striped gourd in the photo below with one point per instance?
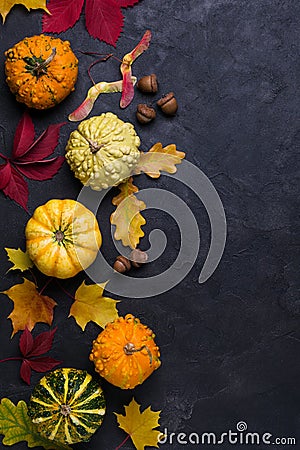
(67, 405)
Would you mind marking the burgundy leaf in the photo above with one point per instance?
(43, 146)
(5, 174)
(26, 342)
(43, 364)
(42, 343)
(104, 20)
(17, 188)
(25, 371)
(64, 14)
(125, 3)
(42, 170)
(24, 136)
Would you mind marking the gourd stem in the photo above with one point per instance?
(94, 146)
(65, 410)
(129, 349)
(59, 236)
(40, 67)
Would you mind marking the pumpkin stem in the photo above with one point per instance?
(129, 349)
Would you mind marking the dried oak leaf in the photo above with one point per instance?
(140, 425)
(16, 426)
(28, 159)
(127, 217)
(30, 306)
(158, 159)
(91, 306)
(20, 259)
(6, 5)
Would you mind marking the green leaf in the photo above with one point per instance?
(16, 426)
(19, 258)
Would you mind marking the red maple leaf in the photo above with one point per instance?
(28, 159)
(31, 350)
(103, 18)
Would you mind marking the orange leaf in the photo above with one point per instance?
(127, 217)
(158, 159)
(30, 307)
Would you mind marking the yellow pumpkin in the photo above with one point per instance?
(41, 71)
(125, 353)
(62, 238)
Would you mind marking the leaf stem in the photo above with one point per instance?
(13, 358)
(65, 291)
(44, 287)
(4, 157)
(33, 276)
(123, 442)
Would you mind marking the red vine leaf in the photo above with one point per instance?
(42, 170)
(42, 343)
(64, 15)
(104, 20)
(24, 136)
(26, 342)
(25, 371)
(5, 174)
(28, 159)
(126, 3)
(43, 364)
(17, 188)
(43, 146)
(31, 349)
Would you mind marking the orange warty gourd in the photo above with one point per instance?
(125, 353)
(41, 71)
(62, 238)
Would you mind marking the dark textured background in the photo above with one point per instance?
(229, 347)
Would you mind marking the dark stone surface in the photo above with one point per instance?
(230, 346)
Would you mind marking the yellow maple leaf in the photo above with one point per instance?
(19, 258)
(30, 307)
(90, 305)
(140, 425)
(127, 217)
(6, 6)
(158, 159)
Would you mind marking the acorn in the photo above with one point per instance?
(138, 257)
(122, 264)
(148, 84)
(168, 104)
(145, 113)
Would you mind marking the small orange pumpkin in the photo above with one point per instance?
(62, 238)
(41, 71)
(125, 353)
